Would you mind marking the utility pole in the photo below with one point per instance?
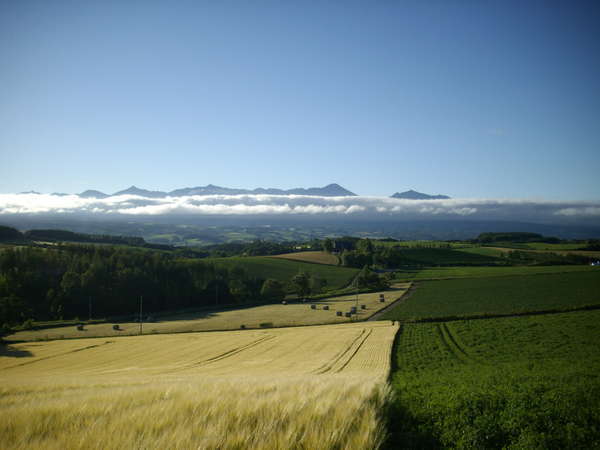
(356, 299)
(141, 317)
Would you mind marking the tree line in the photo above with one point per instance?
(62, 283)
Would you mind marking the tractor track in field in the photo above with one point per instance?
(356, 344)
(226, 354)
(451, 343)
(45, 358)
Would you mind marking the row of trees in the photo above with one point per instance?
(49, 284)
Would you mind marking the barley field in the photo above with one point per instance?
(311, 257)
(304, 387)
(276, 315)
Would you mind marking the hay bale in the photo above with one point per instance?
(313, 306)
(284, 302)
(243, 327)
(326, 307)
(116, 327)
(348, 314)
(338, 313)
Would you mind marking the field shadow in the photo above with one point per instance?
(405, 431)
(12, 352)
(206, 314)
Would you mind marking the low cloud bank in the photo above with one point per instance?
(256, 205)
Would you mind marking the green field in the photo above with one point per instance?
(523, 382)
(421, 244)
(440, 273)
(499, 295)
(446, 257)
(484, 251)
(282, 269)
(553, 247)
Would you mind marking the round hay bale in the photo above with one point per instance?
(326, 307)
(313, 306)
(338, 313)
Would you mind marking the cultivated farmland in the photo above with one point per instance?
(440, 273)
(499, 295)
(284, 269)
(307, 387)
(274, 315)
(311, 257)
(521, 382)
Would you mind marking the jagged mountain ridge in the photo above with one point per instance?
(331, 190)
(414, 195)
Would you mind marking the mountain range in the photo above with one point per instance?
(414, 195)
(331, 190)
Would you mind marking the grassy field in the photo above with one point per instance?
(441, 273)
(421, 244)
(524, 382)
(284, 269)
(485, 251)
(275, 315)
(309, 387)
(499, 295)
(311, 257)
(443, 256)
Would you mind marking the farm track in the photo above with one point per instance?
(378, 315)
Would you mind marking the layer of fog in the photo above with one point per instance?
(289, 205)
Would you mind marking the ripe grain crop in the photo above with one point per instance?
(306, 387)
(277, 315)
(311, 257)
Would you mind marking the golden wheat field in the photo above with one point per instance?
(311, 257)
(293, 314)
(304, 387)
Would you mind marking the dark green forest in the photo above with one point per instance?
(60, 283)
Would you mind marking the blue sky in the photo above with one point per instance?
(479, 99)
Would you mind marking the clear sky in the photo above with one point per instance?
(495, 99)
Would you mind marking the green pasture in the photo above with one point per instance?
(554, 247)
(446, 257)
(440, 273)
(499, 295)
(422, 244)
(283, 269)
(483, 251)
(521, 382)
